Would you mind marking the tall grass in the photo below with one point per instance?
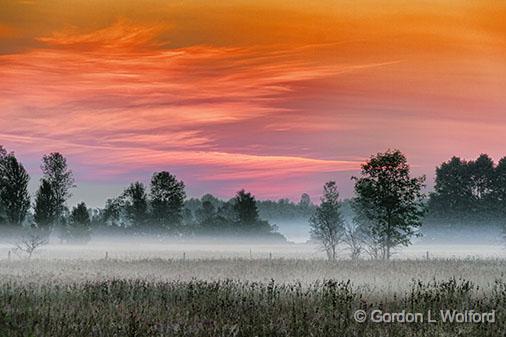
(241, 297)
(232, 308)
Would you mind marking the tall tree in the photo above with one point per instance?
(167, 200)
(14, 194)
(482, 172)
(453, 193)
(327, 224)
(113, 213)
(57, 172)
(500, 188)
(246, 209)
(3, 216)
(79, 227)
(136, 204)
(44, 207)
(206, 213)
(305, 201)
(246, 216)
(390, 199)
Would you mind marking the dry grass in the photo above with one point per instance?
(242, 297)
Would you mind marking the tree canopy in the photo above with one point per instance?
(389, 200)
(14, 195)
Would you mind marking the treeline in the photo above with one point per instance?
(464, 191)
(389, 206)
(163, 209)
(49, 206)
(159, 209)
(469, 192)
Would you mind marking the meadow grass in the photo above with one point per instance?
(241, 297)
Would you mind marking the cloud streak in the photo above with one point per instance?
(226, 100)
(118, 91)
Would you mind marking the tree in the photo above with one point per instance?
(355, 239)
(206, 213)
(500, 188)
(212, 220)
(3, 217)
(327, 224)
(305, 201)
(44, 207)
(56, 171)
(136, 204)
(482, 172)
(389, 200)
(31, 241)
(113, 212)
(468, 190)
(14, 194)
(167, 200)
(79, 226)
(245, 207)
(453, 193)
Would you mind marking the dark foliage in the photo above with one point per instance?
(389, 201)
(14, 196)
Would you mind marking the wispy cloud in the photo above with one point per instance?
(120, 91)
(292, 94)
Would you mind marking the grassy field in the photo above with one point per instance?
(244, 297)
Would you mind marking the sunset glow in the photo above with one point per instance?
(273, 97)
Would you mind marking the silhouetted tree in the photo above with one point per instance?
(327, 224)
(453, 193)
(390, 200)
(482, 172)
(136, 205)
(206, 213)
(167, 200)
(56, 171)
(44, 207)
(210, 220)
(14, 195)
(246, 209)
(79, 227)
(305, 201)
(3, 217)
(246, 215)
(500, 188)
(113, 212)
(469, 191)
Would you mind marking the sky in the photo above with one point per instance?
(276, 97)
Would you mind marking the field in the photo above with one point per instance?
(256, 294)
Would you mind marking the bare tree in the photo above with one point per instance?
(31, 242)
(372, 243)
(354, 239)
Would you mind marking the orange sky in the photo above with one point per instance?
(272, 96)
